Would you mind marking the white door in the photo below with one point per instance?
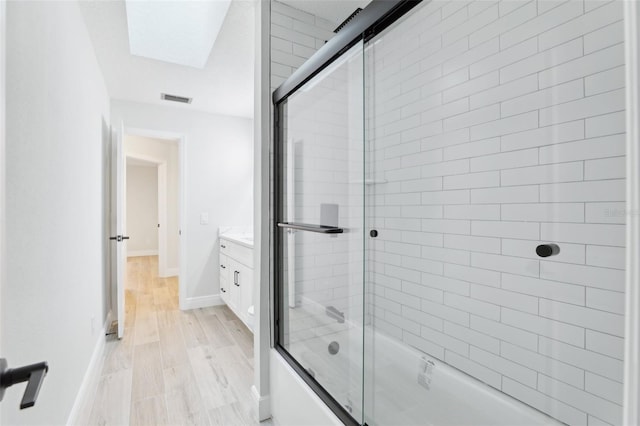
(118, 241)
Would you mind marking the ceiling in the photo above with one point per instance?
(224, 86)
(333, 10)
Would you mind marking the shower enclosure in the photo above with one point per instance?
(449, 229)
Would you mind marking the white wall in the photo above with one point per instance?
(218, 165)
(142, 210)
(164, 151)
(57, 116)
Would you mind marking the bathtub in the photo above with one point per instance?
(404, 386)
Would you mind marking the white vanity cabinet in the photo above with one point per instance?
(236, 276)
(225, 291)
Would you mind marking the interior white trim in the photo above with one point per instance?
(171, 272)
(89, 384)
(261, 209)
(201, 302)
(263, 402)
(631, 410)
(162, 220)
(3, 38)
(182, 221)
(135, 253)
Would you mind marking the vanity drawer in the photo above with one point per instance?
(237, 251)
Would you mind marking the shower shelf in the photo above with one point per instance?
(322, 229)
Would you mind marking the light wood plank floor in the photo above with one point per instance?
(173, 367)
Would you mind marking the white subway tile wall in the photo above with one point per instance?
(497, 127)
(295, 36)
(492, 127)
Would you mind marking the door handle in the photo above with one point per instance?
(119, 238)
(32, 374)
(321, 229)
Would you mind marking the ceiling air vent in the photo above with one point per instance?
(346, 21)
(174, 98)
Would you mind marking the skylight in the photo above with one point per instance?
(177, 31)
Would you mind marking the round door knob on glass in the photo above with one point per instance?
(546, 250)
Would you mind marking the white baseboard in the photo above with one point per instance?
(201, 302)
(91, 377)
(136, 253)
(262, 403)
(171, 272)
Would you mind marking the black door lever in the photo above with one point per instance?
(33, 374)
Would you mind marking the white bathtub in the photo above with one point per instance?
(393, 394)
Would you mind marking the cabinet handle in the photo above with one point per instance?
(223, 246)
(223, 290)
(223, 267)
(236, 278)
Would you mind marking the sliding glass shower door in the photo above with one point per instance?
(450, 216)
(496, 148)
(320, 230)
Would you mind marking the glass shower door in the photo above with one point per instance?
(320, 231)
(495, 163)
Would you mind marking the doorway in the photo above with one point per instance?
(154, 211)
(142, 216)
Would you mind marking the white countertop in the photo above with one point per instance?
(243, 239)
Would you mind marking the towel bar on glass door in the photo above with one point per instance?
(322, 229)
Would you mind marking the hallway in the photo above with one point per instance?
(172, 367)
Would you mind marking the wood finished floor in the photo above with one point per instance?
(173, 367)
